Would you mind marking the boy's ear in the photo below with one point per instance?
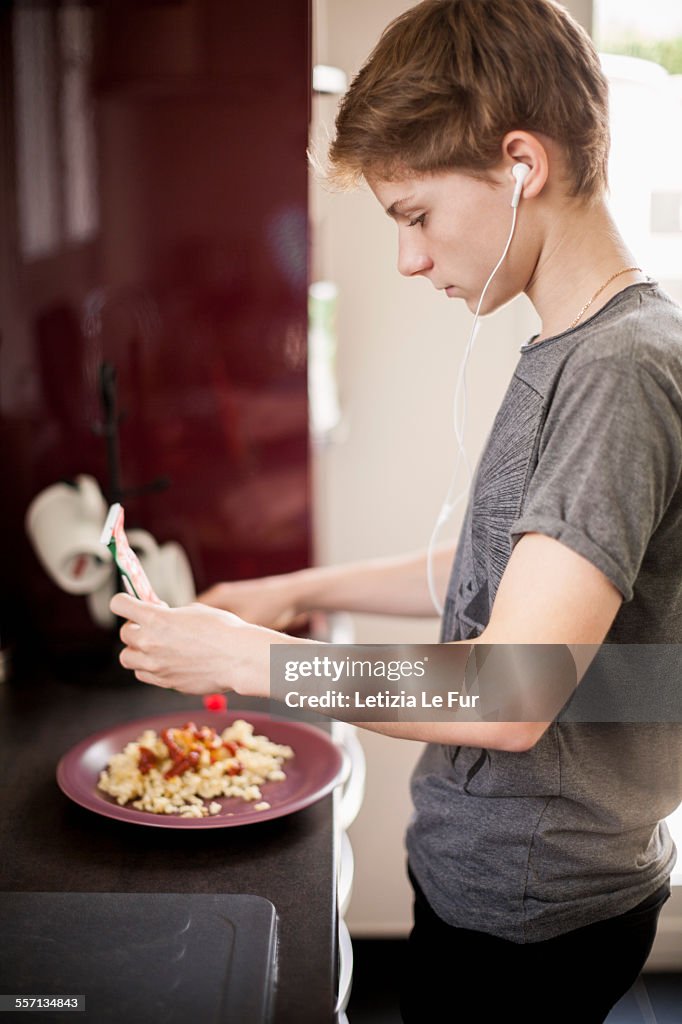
(527, 148)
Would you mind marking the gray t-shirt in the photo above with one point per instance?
(586, 448)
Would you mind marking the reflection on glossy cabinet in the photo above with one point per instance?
(162, 235)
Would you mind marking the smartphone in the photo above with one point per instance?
(135, 579)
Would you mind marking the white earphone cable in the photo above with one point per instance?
(450, 504)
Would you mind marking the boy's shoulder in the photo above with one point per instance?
(639, 331)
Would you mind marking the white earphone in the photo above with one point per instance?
(520, 172)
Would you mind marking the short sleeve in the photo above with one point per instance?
(609, 461)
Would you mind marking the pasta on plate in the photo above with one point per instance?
(180, 769)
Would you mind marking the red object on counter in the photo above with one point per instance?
(215, 702)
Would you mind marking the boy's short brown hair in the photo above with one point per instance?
(449, 78)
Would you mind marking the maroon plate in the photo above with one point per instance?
(316, 767)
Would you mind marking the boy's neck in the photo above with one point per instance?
(581, 251)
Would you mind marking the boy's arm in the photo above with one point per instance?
(548, 594)
(395, 585)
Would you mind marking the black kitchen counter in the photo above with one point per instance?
(50, 844)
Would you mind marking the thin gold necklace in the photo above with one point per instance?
(626, 270)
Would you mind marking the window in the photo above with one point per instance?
(651, 31)
(641, 51)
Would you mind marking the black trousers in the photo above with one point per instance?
(455, 975)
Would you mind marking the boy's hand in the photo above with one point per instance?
(196, 649)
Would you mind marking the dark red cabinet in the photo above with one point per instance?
(172, 247)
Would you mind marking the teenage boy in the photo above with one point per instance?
(537, 851)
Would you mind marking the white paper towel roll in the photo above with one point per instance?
(64, 523)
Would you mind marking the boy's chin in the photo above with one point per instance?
(471, 303)
(490, 304)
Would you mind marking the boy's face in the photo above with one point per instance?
(452, 230)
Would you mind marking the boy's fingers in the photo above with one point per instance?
(130, 608)
(129, 633)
